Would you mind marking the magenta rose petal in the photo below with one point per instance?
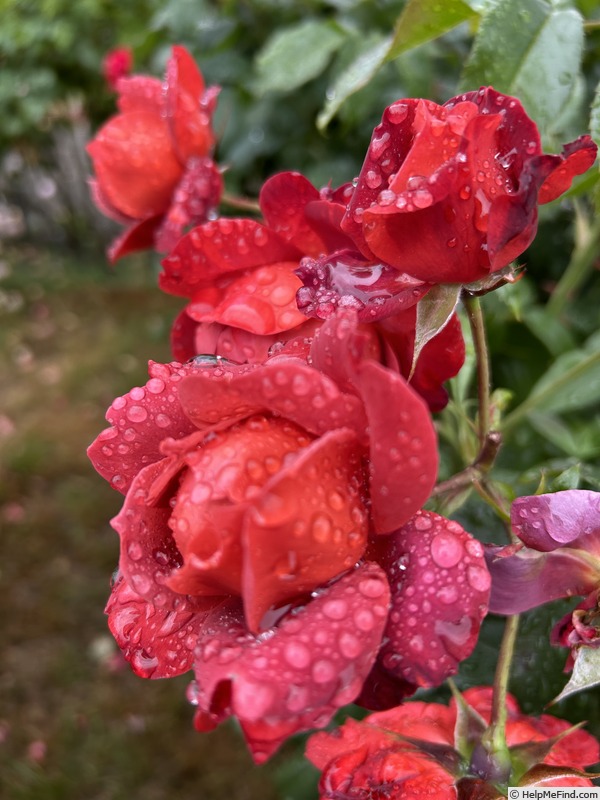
(548, 521)
(440, 592)
(219, 247)
(157, 642)
(140, 420)
(320, 492)
(527, 578)
(403, 442)
(296, 676)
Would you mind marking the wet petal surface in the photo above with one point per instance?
(295, 676)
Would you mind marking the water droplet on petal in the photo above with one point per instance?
(323, 671)
(446, 550)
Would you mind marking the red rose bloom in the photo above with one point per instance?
(241, 278)
(415, 751)
(116, 64)
(449, 194)
(251, 493)
(152, 160)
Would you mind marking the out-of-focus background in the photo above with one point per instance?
(75, 333)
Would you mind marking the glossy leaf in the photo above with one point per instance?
(354, 77)
(423, 20)
(293, 56)
(571, 383)
(585, 675)
(540, 46)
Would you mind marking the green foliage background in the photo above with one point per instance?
(303, 84)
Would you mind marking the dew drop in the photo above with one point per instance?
(323, 671)
(297, 655)
(136, 413)
(446, 550)
(422, 522)
(479, 578)
(335, 609)
(134, 551)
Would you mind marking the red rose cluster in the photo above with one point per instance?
(421, 750)
(272, 534)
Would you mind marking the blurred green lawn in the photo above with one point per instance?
(74, 721)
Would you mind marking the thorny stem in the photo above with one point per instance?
(482, 464)
(489, 440)
(475, 314)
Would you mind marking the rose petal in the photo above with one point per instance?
(307, 526)
(403, 446)
(390, 144)
(576, 158)
(189, 119)
(190, 338)
(137, 237)
(563, 519)
(148, 551)
(440, 359)
(140, 420)
(440, 591)
(428, 722)
(294, 208)
(157, 642)
(220, 247)
(197, 194)
(287, 387)
(294, 677)
(529, 579)
(345, 280)
(135, 165)
(225, 476)
(260, 300)
(104, 205)
(140, 93)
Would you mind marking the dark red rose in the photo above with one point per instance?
(241, 278)
(116, 64)
(152, 160)
(415, 751)
(239, 273)
(449, 194)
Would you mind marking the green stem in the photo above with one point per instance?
(475, 315)
(243, 203)
(496, 735)
(580, 266)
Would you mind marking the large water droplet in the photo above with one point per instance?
(446, 550)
